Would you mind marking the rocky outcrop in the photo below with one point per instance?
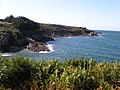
(93, 34)
(46, 39)
(37, 46)
(40, 45)
(8, 39)
(11, 42)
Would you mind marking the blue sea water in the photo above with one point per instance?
(105, 47)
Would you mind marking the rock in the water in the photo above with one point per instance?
(37, 46)
(93, 34)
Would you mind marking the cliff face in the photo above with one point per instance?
(8, 39)
(5, 41)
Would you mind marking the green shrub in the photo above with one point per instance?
(15, 73)
(74, 74)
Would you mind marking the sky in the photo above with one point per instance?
(93, 14)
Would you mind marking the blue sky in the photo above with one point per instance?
(93, 14)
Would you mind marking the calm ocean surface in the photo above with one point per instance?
(105, 47)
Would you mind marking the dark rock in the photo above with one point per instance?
(46, 39)
(93, 34)
(20, 42)
(16, 48)
(7, 40)
(37, 46)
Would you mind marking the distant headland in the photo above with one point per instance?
(17, 33)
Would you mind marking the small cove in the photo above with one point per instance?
(105, 47)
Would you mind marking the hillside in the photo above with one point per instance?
(21, 31)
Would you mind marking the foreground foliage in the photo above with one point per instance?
(74, 74)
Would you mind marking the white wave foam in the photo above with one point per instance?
(69, 37)
(44, 52)
(7, 54)
(50, 47)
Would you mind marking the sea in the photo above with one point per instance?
(104, 47)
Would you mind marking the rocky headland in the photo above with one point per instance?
(17, 33)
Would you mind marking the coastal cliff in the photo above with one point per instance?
(54, 30)
(17, 33)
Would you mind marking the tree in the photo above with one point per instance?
(23, 23)
(9, 19)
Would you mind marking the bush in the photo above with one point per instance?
(16, 73)
(74, 74)
(22, 23)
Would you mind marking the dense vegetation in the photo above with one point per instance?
(9, 35)
(74, 74)
(22, 24)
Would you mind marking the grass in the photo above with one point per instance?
(8, 27)
(75, 74)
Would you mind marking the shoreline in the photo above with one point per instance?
(49, 47)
